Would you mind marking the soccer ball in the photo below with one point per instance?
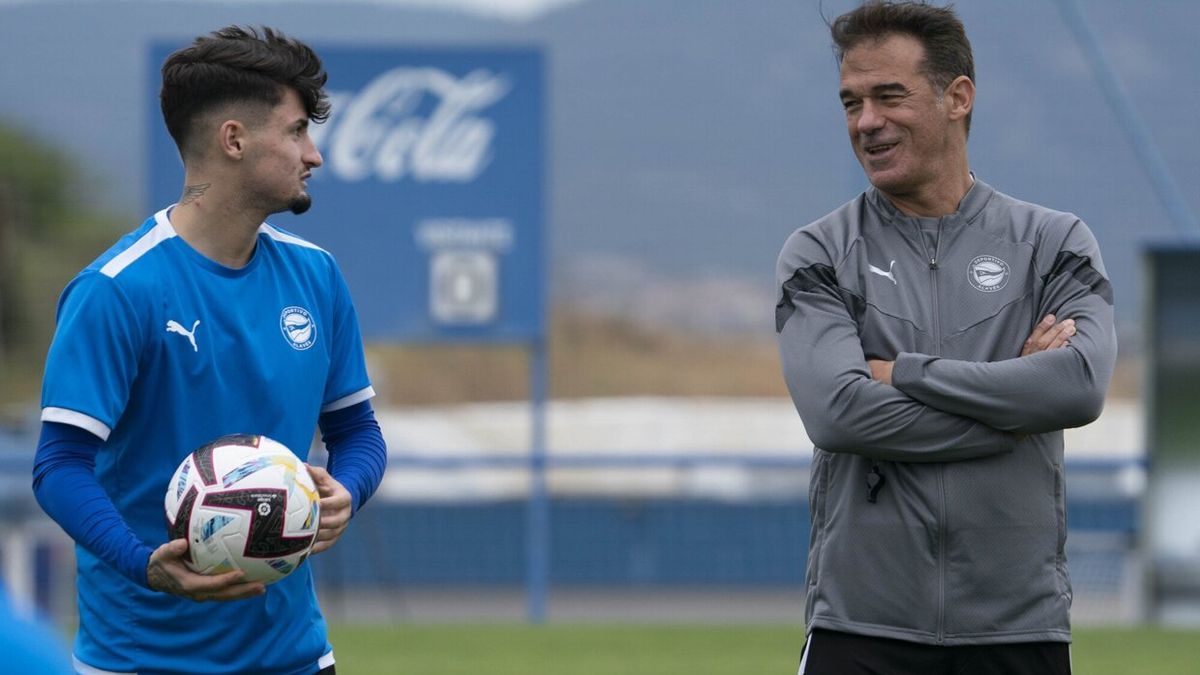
(243, 502)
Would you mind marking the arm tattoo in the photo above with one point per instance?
(160, 580)
(193, 192)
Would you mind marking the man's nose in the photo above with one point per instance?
(312, 156)
(870, 118)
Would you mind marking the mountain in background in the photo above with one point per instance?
(687, 138)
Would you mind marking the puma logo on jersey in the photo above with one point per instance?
(888, 274)
(174, 326)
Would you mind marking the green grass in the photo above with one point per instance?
(1141, 651)
(602, 649)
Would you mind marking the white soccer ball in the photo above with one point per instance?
(244, 502)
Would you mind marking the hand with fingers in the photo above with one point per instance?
(1049, 333)
(167, 572)
(335, 508)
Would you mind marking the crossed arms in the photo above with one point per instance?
(921, 407)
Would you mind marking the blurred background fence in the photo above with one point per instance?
(672, 534)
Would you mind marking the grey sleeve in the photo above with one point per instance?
(1046, 391)
(842, 408)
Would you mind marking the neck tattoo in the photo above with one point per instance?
(193, 192)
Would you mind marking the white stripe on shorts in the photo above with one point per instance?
(804, 659)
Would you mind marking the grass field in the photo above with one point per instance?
(563, 649)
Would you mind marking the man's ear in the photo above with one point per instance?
(960, 97)
(231, 137)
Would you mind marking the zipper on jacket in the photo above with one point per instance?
(941, 474)
(941, 537)
(937, 245)
(937, 337)
(933, 285)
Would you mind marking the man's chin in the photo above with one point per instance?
(885, 180)
(300, 204)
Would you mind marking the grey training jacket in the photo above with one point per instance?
(964, 543)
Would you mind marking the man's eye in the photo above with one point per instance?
(850, 104)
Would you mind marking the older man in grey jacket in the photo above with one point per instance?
(936, 336)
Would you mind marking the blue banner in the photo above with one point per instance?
(430, 196)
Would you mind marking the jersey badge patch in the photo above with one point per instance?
(988, 273)
(298, 327)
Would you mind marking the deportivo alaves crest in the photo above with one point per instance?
(298, 327)
(988, 273)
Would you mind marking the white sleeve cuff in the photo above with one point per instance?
(347, 401)
(76, 419)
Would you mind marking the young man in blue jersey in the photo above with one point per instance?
(936, 336)
(181, 333)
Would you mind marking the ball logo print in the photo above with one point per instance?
(243, 502)
(298, 327)
(988, 273)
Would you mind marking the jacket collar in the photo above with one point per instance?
(968, 209)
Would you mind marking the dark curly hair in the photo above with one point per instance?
(235, 65)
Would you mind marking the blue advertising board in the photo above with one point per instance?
(430, 196)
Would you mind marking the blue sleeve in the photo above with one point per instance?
(347, 383)
(357, 452)
(93, 359)
(65, 485)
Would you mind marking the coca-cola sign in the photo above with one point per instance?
(411, 122)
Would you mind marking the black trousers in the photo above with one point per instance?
(832, 653)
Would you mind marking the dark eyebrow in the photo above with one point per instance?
(885, 88)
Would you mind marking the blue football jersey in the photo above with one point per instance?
(160, 350)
